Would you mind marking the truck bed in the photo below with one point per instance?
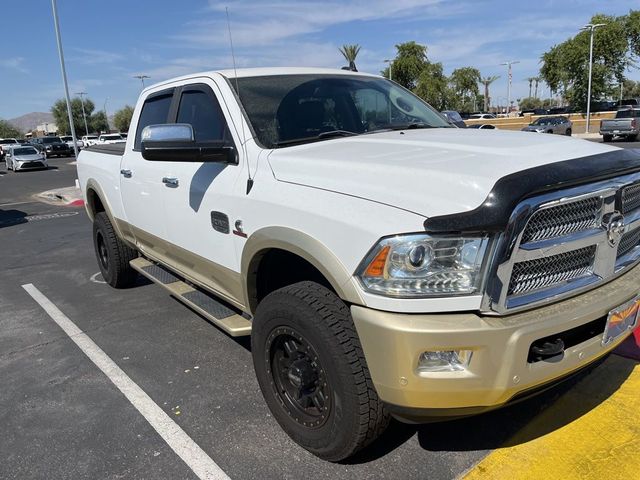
(109, 148)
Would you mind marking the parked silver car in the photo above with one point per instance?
(559, 125)
(24, 158)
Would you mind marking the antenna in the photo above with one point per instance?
(235, 73)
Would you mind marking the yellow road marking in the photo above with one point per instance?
(590, 433)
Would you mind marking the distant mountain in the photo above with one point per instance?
(29, 121)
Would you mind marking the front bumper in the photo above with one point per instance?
(499, 370)
(31, 165)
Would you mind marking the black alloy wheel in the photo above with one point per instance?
(297, 377)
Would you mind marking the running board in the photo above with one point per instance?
(205, 304)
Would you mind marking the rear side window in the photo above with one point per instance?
(202, 111)
(154, 111)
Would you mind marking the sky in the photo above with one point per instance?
(107, 43)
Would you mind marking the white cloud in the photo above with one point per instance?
(256, 23)
(15, 63)
(87, 56)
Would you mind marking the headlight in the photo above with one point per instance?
(420, 265)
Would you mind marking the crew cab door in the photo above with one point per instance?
(199, 198)
(141, 180)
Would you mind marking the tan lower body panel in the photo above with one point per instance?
(207, 306)
(220, 280)
(498, 369)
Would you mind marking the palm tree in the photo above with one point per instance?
(537, 80)
(486, 81)
(530, 80)
(350, 52)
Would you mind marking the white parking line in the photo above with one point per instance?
(189, 451)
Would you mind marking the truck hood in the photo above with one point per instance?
(430, 172)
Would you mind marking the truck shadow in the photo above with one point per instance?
(505, 427)
(9, 218)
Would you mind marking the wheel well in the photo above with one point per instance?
(94, 202)
(275, 268)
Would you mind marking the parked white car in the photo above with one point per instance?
(110, 138)
(68, 139)
(88, 140)
(5, 144)
(383, 262)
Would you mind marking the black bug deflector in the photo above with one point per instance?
(493, 215)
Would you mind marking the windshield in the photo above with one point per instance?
(8, 141)
(25, 151)
(627, 113)
(111, 137)
(66, 139)
(51, 140)
(288, 109)
(542, 121)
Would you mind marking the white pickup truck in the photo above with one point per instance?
(384, 262)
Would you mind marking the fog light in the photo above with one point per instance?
(444, 360)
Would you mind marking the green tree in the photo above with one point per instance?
(98, 122)
(464, 84)
(529, 103)
(411, 59)
(350, 52)
(8, 131)
(122, 118)
(486, 81)
(616, 48)
(432, 86)
(59, 111)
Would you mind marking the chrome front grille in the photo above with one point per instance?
(629, 241)
(630, 198)
(544, 272)
(565, 242)
(563, 219)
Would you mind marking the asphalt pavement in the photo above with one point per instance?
(61, 416)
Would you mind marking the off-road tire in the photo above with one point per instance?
(113, 254)
(607, 138)
(355, 415)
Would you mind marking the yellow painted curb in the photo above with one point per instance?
(590, 433)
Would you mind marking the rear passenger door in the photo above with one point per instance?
(141, 180)
(202, 207)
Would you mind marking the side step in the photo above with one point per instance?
(205, 304)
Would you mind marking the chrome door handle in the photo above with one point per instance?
(125, 173)
(170, 181)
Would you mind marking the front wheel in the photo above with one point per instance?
(312, 371)
(607, 138)
(113, 254)
(632, 138)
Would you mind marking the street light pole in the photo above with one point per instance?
(591, 27)
(106, 118)
(84, 115)
(142, 77)
(56, 24)
(510, 76)
(390, 62)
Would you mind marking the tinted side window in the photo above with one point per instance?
(154, 111)
(202, 112)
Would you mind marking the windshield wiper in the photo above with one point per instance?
(315, 138)
(412, 126)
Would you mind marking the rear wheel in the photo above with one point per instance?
(632, 138)
(113, 254)
(568, 132)
(607, 138)
(312, 371)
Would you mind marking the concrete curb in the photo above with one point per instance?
(586, 135)
(68, 196)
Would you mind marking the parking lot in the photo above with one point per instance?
(63, 417)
